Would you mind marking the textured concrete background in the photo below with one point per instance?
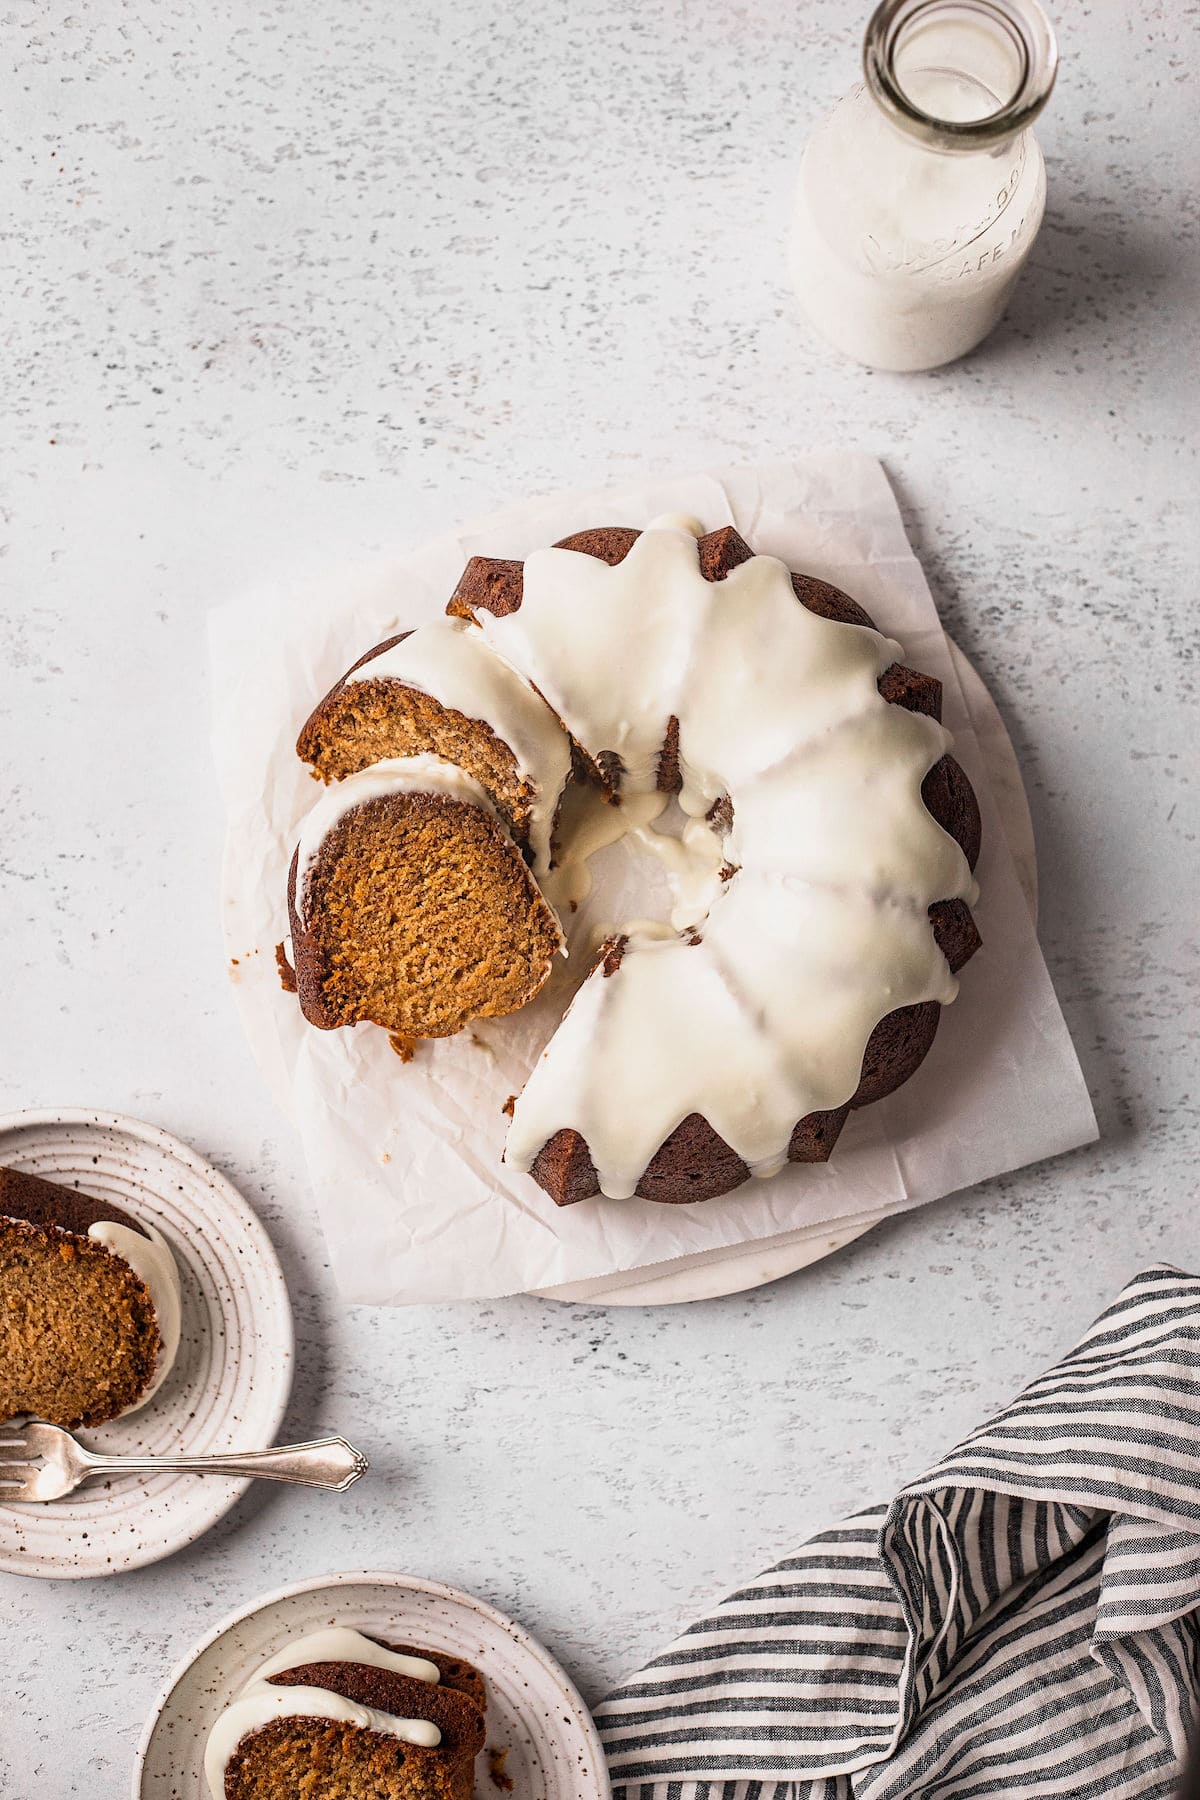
(287, 282)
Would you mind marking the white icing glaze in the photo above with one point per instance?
(450, 661)
(340, 1643)
(677, 522)
(259, 1702)
(823, 928)
(424, 774)
(151, 1260)
(614, 655)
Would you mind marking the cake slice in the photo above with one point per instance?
(453, 1672)
(439, 690)
(89, 1305)
(349, 1729)
(411, 906)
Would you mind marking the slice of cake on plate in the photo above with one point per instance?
(348, 1717)
(89, 1305)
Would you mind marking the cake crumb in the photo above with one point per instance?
(498, 1774)
(405, 1047)
(611, 954)
(287, 975)
(509, 1104)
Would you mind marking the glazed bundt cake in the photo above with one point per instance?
(89, 1305)
(836, 833)
(349, 1717)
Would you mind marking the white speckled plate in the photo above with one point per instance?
(534, 1713)
(233, 1374)
(737, 1267)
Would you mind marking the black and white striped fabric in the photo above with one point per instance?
(1022, 1621)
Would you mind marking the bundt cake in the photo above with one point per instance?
(349, 1717)
(834, 835)
(89, 1305)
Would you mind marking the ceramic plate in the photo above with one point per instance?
(534, 1713)
(230, 1383)
(737, 1267)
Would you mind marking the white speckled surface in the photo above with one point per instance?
(284, 284)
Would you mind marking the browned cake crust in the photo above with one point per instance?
(48, 1204)
(464, 1677)
(695, 1162)
(78, 1334)
(419, 918)
(334, 1761)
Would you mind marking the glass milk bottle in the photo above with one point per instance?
(921, 194)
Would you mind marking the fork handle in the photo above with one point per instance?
(326, 1463)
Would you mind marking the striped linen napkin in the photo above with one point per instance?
(1021, 1621)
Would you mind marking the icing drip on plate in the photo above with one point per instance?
(259, 1703)
(762, 1012)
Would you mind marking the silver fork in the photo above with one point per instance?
(44, 1462)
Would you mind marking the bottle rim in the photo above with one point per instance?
(1030, 35)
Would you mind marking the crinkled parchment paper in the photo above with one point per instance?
(406, 1159)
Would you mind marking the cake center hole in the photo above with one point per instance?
(643, 864)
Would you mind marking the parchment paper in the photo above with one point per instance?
(405, 1160)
